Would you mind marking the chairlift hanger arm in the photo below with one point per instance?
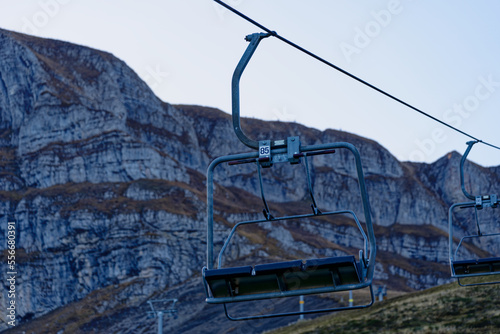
(462, 162)
(254, 40)
(480, 201)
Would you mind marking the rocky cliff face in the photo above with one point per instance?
(106, 185)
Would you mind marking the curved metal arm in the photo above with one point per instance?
(254, 40)
(464, 157)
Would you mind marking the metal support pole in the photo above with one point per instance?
(161, 309)
(301, 304)
(350, 298)
(160, 322)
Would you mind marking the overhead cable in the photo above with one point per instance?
(309, 53)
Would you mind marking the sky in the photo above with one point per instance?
(441, 57)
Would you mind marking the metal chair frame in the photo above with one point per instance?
(471, 265)
(268, 153)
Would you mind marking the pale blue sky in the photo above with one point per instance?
(440, 56)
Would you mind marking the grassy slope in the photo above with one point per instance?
(443, 309)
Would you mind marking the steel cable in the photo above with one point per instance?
(309, 53)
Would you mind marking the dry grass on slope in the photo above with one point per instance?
(444, 309)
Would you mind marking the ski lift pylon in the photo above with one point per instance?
(288, 278)
(472, 267)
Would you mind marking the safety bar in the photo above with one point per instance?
(276, 315)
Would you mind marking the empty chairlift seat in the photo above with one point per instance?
(226, 282)
(477, 266)
(468, 268)
(288, 278)
(291, 277)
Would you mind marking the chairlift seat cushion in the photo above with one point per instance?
(494, 263)
(225, 282)
(279, 276)
(341, 270)
(492, 260)
(477, 266)
(228, 272)
(330, 261)
(238, 281)
(283, 276)
(279, 267)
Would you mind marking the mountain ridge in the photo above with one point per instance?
(106, 184)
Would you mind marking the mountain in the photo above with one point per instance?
(105, 184)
